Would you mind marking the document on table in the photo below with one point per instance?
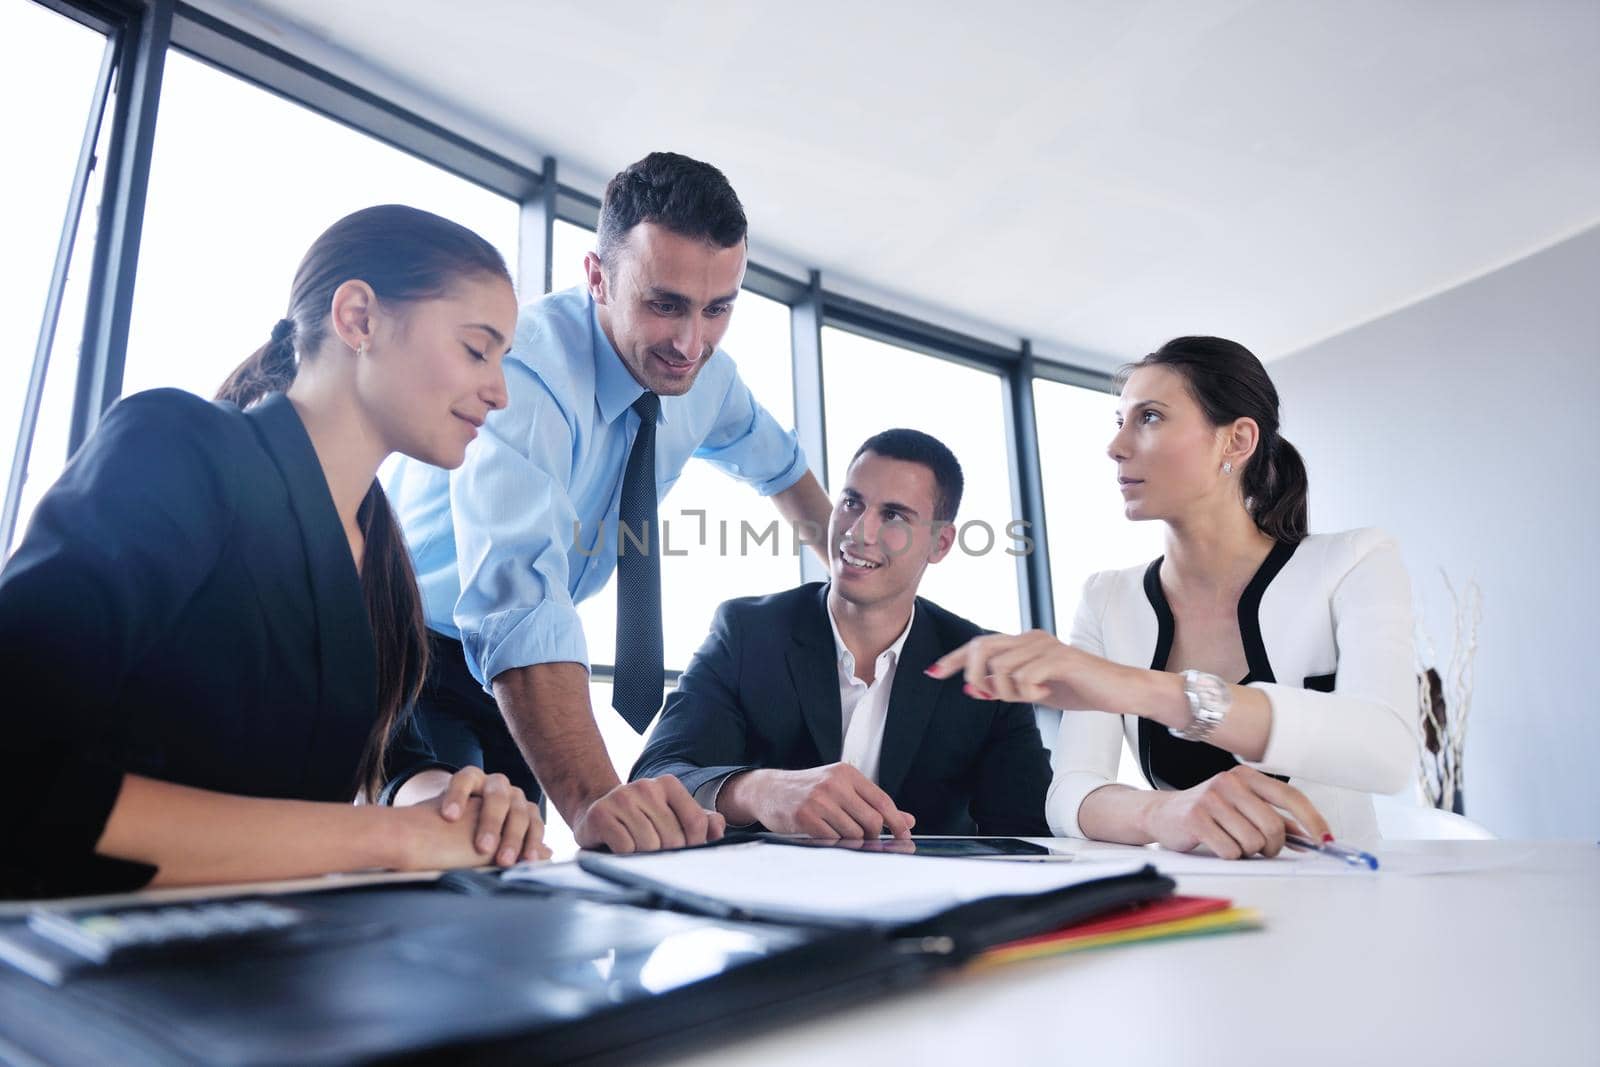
(1286, 863)
(826, 884)
(12, 909)
(1394, 858)
(566, 876)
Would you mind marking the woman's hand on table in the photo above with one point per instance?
(476, 819)
(1235, 814)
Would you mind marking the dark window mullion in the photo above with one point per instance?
(1027, 493)
(142, 53)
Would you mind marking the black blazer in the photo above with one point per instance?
(184, 606)
(763, 691)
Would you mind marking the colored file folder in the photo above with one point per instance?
(1173, 917)
(474, 968)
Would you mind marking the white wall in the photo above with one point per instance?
(1466, 425)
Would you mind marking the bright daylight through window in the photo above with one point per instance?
(53, 63)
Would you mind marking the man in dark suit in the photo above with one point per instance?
(808, 711)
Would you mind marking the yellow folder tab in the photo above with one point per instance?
(1216, 922)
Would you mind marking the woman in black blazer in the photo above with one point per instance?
(211, 629)
(1296, 692)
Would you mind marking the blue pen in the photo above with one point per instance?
(1353, 856)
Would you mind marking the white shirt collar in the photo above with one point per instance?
(847, 660)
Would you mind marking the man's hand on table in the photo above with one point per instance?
(647, 815)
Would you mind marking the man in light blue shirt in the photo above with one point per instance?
(506, 546)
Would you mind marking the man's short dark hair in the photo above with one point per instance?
(914, 446)
(688, 197)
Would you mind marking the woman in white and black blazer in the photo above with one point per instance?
(1296, 686)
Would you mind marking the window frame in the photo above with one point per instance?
(55, 294)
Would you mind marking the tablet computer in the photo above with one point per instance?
(1007, 848)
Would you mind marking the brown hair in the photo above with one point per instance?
(686, 196)
(1228, 382)
(404, 254)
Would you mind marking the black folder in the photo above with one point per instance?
(496, 974)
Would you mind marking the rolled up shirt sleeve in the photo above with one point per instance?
(748, 443)
(1358, 736)
(514, 523)
(1089, 743)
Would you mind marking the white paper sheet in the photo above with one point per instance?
(1287, 863)
(566, 875)
(1394, 858)
(840, 884)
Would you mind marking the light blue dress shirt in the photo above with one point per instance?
(493, 542)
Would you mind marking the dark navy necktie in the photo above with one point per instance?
(636, 689)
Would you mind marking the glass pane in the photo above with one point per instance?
(48, 456)
(1082, 506)
(870, 386)
(52, 63)
(1083, 509)
(568, 245)
(599, 617)
(241, 183)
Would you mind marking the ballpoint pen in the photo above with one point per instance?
(1353, 856)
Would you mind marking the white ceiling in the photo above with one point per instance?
(1094, 176)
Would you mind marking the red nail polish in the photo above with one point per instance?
(1327, 839)
(931, 672)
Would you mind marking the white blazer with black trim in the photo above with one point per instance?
(1327, 629)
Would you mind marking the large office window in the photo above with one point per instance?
(48, 69)
(242, 181)
(1083, 507)
(869, 386)
(728, 537)
(568, 245)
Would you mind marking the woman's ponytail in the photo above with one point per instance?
(399, 632)
(1276, 491)
(270, 369)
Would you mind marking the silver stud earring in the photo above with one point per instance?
(361, 350)
(1227, 468)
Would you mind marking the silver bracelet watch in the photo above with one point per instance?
(1209, 700)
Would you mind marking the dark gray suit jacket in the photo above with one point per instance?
(184, 607)
(763, 691)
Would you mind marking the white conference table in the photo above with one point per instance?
(1494, 966)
